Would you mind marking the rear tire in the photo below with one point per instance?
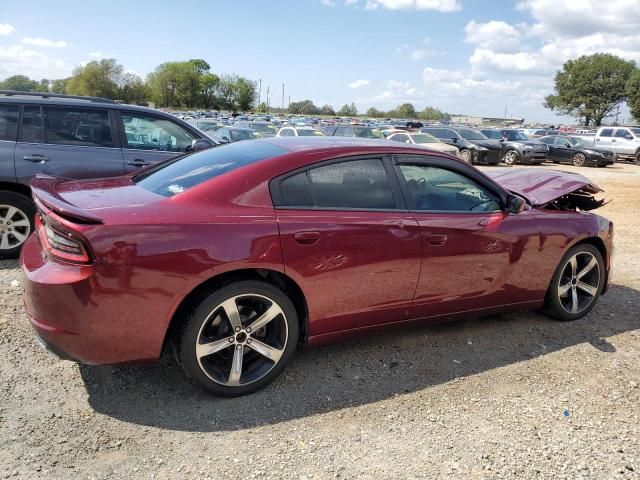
(239, 338)
(637, 157)
(17, 214)
(576, 283)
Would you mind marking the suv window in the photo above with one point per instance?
(9, 122)
(437, 189)
(606, 132)
(623, 133)
(355, 184)
(31, 130)
(146, 132)
(547, 140)
(67, 126)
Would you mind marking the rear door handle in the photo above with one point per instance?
(36, 158)
(437, 240)
(138, 163)
(306, 238)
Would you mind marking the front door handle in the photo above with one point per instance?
(437, 240)
(137, 163)
(36, 158)
(306, 238)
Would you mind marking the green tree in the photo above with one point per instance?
(132, 89)
(98, 78)
(327, 110)
(590, 87)
(262, 108)
(304, 107)
(374, 113)
(431, 113)
(19, 82)
(209, 84)
(348, 110)
(633, 94)
(246, 94)
(406, 110)
(60, 85)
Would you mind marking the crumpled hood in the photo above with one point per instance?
(541, 186)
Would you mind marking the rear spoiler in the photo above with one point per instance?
(44, 192)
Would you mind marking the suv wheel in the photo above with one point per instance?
(511, 157)
(239, 338)
(465, 155)
(579, 160)
(17, 214)
(637, 158)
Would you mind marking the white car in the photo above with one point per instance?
(424, 139)
(299, 132)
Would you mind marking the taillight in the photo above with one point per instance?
(60, 244)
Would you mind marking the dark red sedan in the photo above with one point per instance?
(236, 254)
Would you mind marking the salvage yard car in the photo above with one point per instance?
(76, 137)
(577, 151)
(517, 147)
(474, 146)
(232, 256)
(423, 139)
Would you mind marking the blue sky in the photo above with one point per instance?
(462, 56)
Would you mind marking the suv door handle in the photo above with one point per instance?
(138, 162)
(437, 240)
(306, 238)
(36, 158)
(613, 140)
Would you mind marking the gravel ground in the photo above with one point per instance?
(507, 396)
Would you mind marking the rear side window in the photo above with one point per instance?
(31, 130)
(89, 128)
(175, 177)
(606, 132)
(9, 122)
(355, 184)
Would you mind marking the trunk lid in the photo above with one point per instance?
(541, 187)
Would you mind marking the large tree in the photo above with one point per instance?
(19, 82)
(590, 87)
(633, 94)
(304, 107)
(98, 78)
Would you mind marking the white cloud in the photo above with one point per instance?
(17, 59)
(436, 5)
(6, 29)
(328, 3)
(96, 54)
(493, 35)
(44, 42)
(359, 83)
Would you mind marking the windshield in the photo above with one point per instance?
(310, 133)
(263, 128)
(364, 132)
(469, 134)
(516, 136)
(242, 135)
(179, 175)
(424, 138)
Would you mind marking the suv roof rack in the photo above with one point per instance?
(11, 93)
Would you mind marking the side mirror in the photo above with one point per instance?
(454, 139)
(225, 139)
(628, 137)
(568, 145)
(199, 144)
(515, 204)
(502, 139)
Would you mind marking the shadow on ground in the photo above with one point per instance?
(357, 372)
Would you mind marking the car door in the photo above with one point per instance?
(622, 142)
(604, 137)
(149, 139)
(475, 255)
(73, 142)
(348, 242)
(9, 114)
(563, 148)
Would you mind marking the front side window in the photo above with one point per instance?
(514, 136)
(562, 141)
(469, 134)
(355, 184)
(31, 130)
(9, 122)
(547, 140)
(623, 133)
(146, 132)
(89, 128)
(494, 134)
(439, 190)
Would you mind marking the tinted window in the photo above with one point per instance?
(9, 122)
(286, 132)
(145, 132)
(622, 133)
(31, 130)
(399, 137)
(242, 135)
(606, 132)
(547, 140)
(469, 134)
(77, 127)
(437, 189)
(175, 177)
(361, 184)
(562, 141)
(495, 134)
(295, 191)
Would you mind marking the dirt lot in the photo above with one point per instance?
(509, 396)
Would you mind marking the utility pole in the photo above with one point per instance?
(505, 111)
(259, 89)
(268, 88)
(617, 114)
(283, 97)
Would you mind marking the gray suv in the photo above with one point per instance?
(76, 137)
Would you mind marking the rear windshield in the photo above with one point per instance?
(179, 175)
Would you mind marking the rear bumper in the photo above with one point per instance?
(77, 317)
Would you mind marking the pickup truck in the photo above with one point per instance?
(623, 141)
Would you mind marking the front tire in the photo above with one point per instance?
(576, 283)
(579, 160)
(17, 214)
(637, 157)
(466, 155)
(511, 157)
(239, 338)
